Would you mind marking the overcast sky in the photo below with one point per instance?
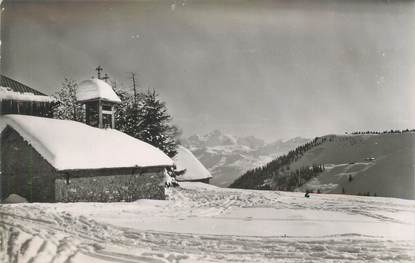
(274, 69)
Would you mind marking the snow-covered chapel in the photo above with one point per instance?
(51, 160)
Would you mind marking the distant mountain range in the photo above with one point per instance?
(227, 157)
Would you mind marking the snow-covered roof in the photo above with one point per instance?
(195, 170)
(8, 94)
(11, 89)
(93, 89)
(71, 145)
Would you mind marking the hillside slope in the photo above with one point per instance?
(381, 164)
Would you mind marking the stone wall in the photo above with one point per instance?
(24, 171)
(111, 188)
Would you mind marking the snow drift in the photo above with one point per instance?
(203, 223)
(14, 199)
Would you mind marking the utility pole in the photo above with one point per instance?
(134, 87)
(99, 69)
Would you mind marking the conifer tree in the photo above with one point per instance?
(68, 108)
(145, 117)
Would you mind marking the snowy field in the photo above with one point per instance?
(202, 223)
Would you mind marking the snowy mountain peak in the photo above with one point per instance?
(227, 156)
(211, 139)
(218, 138)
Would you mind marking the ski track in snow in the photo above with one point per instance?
(61, 233)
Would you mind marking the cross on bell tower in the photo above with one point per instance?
(99, 69)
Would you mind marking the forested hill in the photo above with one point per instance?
(262, 177)
(362, 164)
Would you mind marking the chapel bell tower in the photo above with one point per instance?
(100, 100)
